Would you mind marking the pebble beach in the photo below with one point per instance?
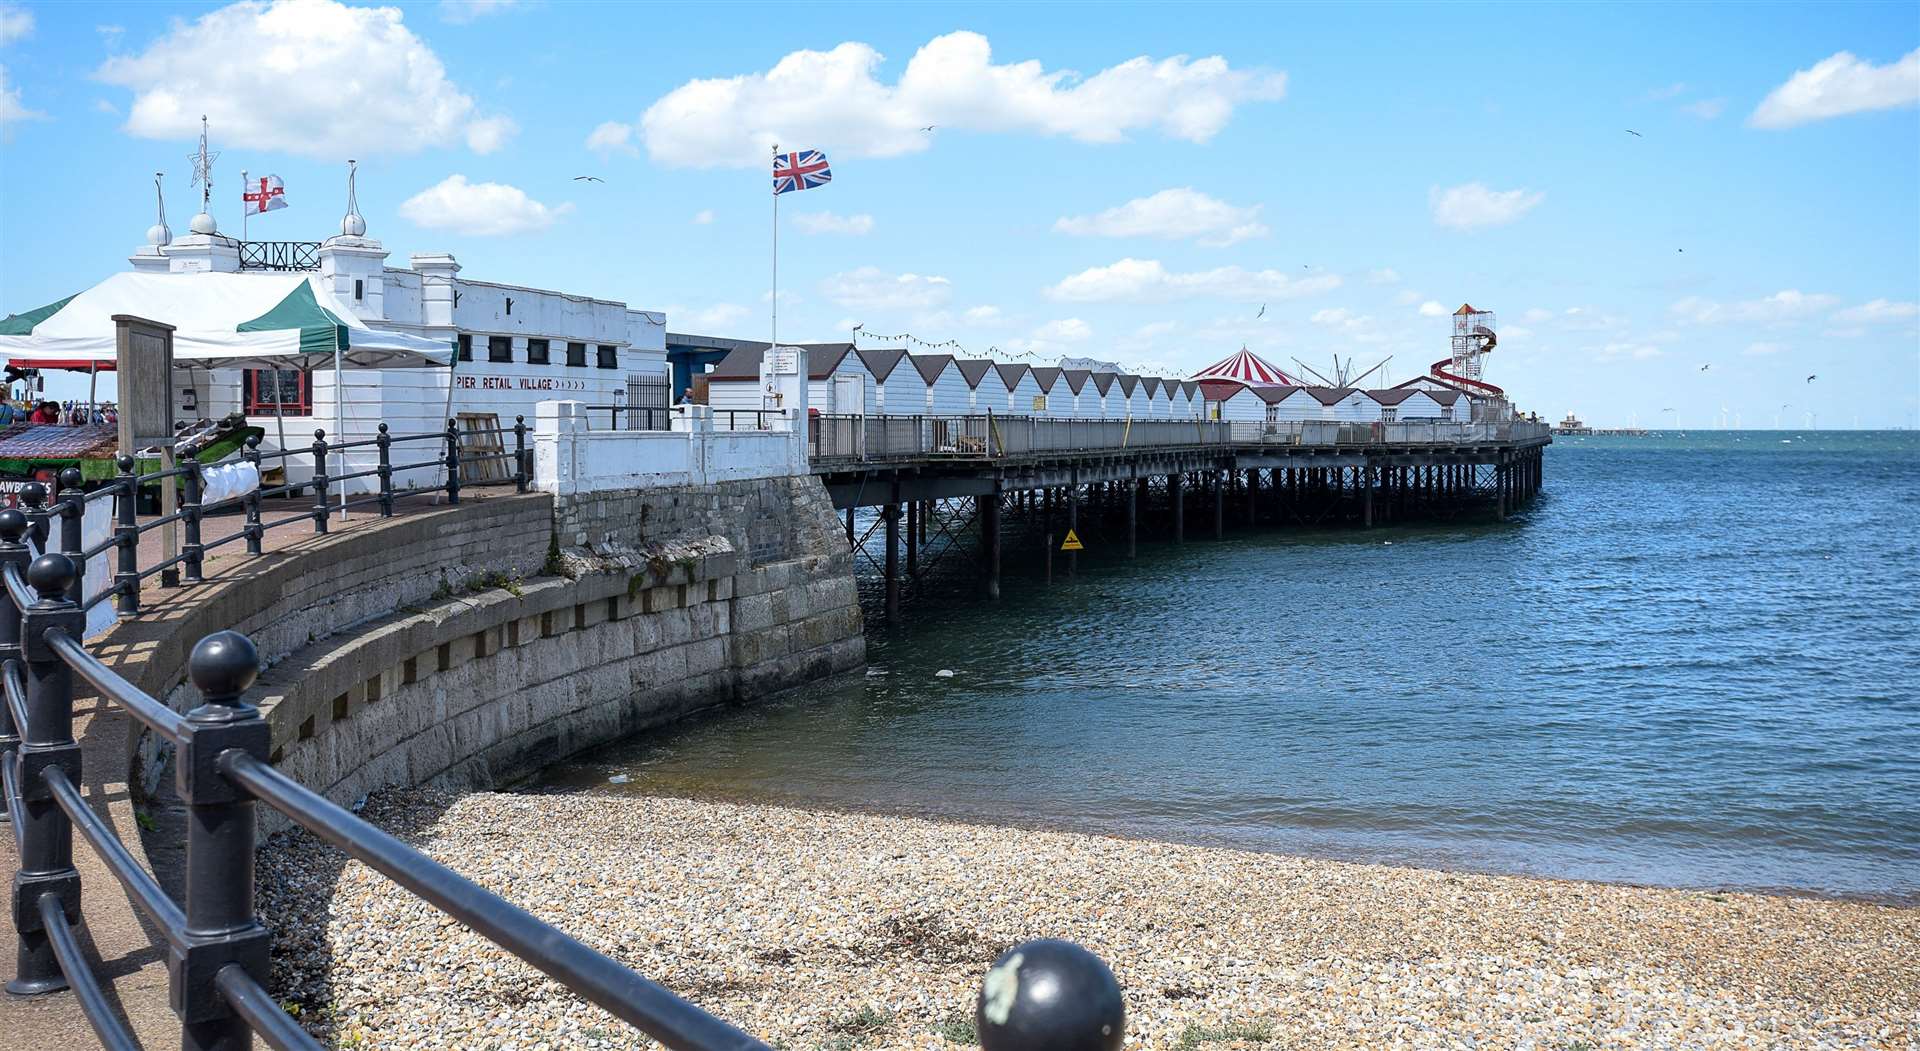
(841, 931)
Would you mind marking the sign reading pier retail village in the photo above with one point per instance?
(143, 359)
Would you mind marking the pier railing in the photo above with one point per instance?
(216, 947)
(446, 453)
(881, 438)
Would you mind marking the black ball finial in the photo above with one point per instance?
(71, 478)
(1050, 995)
(125, 463)
(52, 574)
(13, 525)
(224, 664)
(320, 434)
(253, 441)
(33, 494)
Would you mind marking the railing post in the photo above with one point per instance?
(222, 930)
(126, 538)
(72, 511)
(192, 551)
(33, 497)
(453, 461)
(253, 528)
(520, 451)
(13, 527)
(46, 836)
(383, 442)
(320, 481)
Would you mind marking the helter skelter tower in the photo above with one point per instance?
(1473, 340)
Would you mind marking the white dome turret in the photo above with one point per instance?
(203, 224)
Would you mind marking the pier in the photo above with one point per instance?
(950, 475)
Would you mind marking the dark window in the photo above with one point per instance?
(359, 289)
(577, 355)
(609, 357)
(466, 347)
(536, 352)
(499, 348)
(287, 390)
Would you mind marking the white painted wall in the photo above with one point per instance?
(949, 394)
(568, 458)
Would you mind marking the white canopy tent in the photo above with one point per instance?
(272, 320)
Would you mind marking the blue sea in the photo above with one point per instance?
(1694, 661)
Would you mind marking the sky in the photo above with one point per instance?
(1130, 183)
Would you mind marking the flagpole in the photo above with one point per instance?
(774, 299)
(243, 215)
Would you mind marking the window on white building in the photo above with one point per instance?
(577, 355)
(536, 352)
(499, 348)
(609, 357)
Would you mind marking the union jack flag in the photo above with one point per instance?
(800, 171)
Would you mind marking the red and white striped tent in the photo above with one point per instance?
(1248, 368)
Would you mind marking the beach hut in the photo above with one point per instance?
(1023, 397)
(1047, 379)
(1233, 402)
(980, 391)
(896, 388)
(948, 392)
(1193, 404)
(1106, 396)
(1079, 391)
(1133, 398)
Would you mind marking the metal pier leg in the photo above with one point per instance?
(849, 527)
(990, 525)
(891, 513)
(914, 514)
(1177, 490)
(1253, 495)
(1366, 497)
(1133, 516)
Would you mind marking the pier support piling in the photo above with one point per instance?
(1073, 519)
(1177, 495)
(1219, 503)
(990, 536)
(914, 513)
(1133, 515)
(891, 514)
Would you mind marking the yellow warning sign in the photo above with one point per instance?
(1072, 543)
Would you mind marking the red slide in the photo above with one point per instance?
(1439, 370)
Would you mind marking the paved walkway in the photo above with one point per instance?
(123, 948)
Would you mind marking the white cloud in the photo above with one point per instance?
(1513, 332)
(1383, 276)
(1671, 91)
(1837, 86)
(1173, 215)
(1537, 315)
(1759, 350)
(710, 319)
(612, 137)
(703, 217)
(12, 110)
(1064, 330)
(108, 108)
(874, 289)
(309, 77)
(488, 134)
(1878, 311)
(1431, 308)
(1786, 305)
(16, 23)
(480, 209)
(463, 11)
(987, 314)
(1470, 206)
(1147, 279)
(830, 223)
(1705, 109)
(1406, 297)
(1358, 327)
(833, 99)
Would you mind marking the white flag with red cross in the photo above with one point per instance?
(264, 194)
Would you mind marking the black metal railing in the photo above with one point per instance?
(445, 456)
(633, 417)
(217, 948)
(280, 255)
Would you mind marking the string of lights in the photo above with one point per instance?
(894, 341)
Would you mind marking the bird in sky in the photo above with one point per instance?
(1679, 249)
(1707, 366)
(1813, 377)
(588, 178)
(930, 127)
(1262, 313)
(1635, 134)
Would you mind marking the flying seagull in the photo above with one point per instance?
(1813, 377)
(930, 127)
(1635, 134)
(1707, 366)
(588, 178)
(1262, 313)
